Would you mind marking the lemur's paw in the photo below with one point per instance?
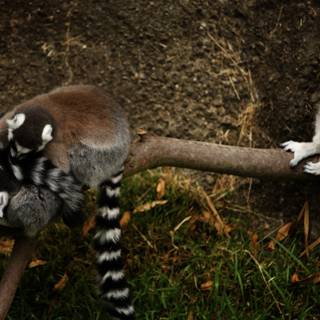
(298, 149)
(312, 168)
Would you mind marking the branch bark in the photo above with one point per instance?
(20, 256)
(154, 151)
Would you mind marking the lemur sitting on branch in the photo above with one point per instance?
(302, 150)
(91, 141)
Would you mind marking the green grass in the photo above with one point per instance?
(166, 268)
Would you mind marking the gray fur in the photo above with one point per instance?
(31, 209)
(92, 165)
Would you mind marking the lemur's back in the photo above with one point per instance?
(90, 128)
(82, 113)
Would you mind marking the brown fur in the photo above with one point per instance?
(82, 114)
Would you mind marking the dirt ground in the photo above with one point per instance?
(232, 72)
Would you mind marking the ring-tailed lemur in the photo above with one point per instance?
(91, 140)
(302, 150)
(28, 134)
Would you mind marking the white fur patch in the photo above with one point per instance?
(17, 121)
(108, 213)
(301, 150)
(17, 172)
(4, 199)
(52, 184)
(113, 192)
(109, 255)
(112, 235)
(127, 311)
(312, 168)
(13, 153)
(118, 294)
(117, 178)
(114, 275)
(21, 149)
(46, 136)
(10, 134)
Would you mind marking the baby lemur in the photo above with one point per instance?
(28, 134)
(90, 140)
(302, 150)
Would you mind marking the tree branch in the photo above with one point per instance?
(154, 151)
(20, 256)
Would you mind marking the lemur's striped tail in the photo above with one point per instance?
(44, 173)
(113, 285)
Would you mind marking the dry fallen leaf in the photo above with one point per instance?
(89, 224)
(161, 188)
(141, 131)
(254, 241)
(284, 231)
(281, 235)
(149, 205)
(313, 279)
(295, 278)
(6, 246)
(36, 263)
(206, 285)
(271, 245)
(126, 217)
(61, 283)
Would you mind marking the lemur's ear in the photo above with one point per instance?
(46, 136)
(17, 121)
(47, 133)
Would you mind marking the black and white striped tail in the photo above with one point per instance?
(113, 285)
(41, 172)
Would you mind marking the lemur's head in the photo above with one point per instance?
(30, 130)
